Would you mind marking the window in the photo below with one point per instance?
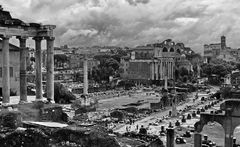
(171, 50)
(11, 71)
(0, 71)
(165, 49)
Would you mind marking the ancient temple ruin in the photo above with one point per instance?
(11, 27)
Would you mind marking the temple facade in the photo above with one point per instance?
(154, 62)
(11, 27)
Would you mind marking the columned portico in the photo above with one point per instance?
(50, 68)
(38, 60)
(22, 31)
(23, 66)
(5, 69)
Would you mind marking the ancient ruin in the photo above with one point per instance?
(11, 27)
(228, 116)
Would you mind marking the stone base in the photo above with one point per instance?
(38, 104)
(23, 102)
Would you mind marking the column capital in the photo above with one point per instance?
(50, 38)
(37, 38)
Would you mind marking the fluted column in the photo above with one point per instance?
(23, 67)
(50, 69)
(5, 70)
(38, 59)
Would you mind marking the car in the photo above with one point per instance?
(180, 140)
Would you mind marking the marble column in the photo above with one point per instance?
(50, 69)
(38, 62)
(156, 69)
(23, 68)
(5, 70)
(85, 76)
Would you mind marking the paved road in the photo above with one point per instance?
(159, 115)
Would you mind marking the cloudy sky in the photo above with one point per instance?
(134, 22)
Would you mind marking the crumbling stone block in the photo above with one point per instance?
(11, 119)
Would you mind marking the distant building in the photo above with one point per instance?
(227, 56)
(151, 63)
(220, 51)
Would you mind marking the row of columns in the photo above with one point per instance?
(161, 68)
(23, 66)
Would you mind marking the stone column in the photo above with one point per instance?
(23, 67)
(85, 76)
(165, 76)
(170, 137)
(156, 69)
(5, 70)
(160, 70)
(197, 140)
(38, 61)
(50, 69)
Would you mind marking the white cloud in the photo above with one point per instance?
(133, 22)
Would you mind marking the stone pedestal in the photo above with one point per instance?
(170, 137)
(197, 140)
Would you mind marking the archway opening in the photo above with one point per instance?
(165, 49)
(178, 51)
(215, 133)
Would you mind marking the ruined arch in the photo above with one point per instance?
(215, 132)
(165, 49)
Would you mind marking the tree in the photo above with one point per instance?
(183, 72)
(61, 58)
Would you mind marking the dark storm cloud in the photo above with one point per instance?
(133, 22)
